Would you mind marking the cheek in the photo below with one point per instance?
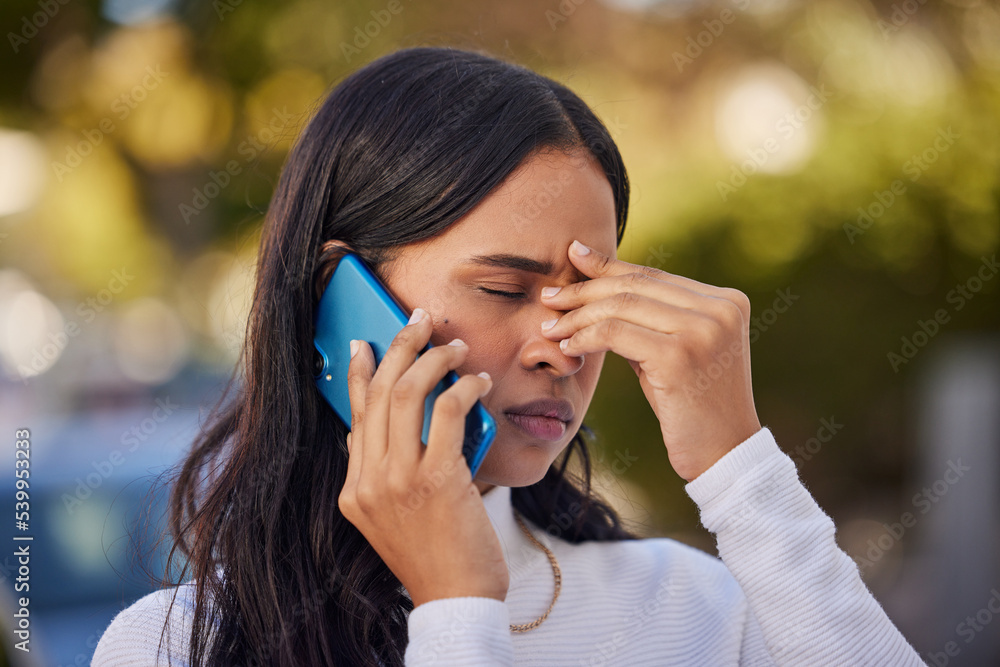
(490, 343)
(490, 351)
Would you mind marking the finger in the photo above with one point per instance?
(626, 307)
(400, 355)
(406, 418)
(639, 279)
(630, 341)
(722, 302)
(596, 264)
(447, 432)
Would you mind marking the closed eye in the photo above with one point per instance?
(507, 295)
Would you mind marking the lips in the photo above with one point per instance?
(545, 407)
(545, 418)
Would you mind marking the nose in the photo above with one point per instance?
(538, 351)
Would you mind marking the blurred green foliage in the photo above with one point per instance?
(696, 103)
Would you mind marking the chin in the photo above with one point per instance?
(517, 463)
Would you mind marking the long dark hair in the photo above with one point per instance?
(398, 151)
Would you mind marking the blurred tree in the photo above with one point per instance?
(836, 160)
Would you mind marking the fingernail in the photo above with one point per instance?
(548, 324)
(550, 291)
(579, 248)
(418, 314)
(564, 343)
(484, 375)
(355, 346)
(458, 342)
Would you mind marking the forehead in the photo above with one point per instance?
(529, 220)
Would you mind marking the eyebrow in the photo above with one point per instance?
(518, 263)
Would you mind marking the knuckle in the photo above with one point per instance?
(710, 330)
(737, 297)
(408, 337)
(635, 279)
(347, 504)
(448, 403)
(623, 300)
(653, 273)
(405, 335)
(731, 315)
(403, 391)
(613, 328)
(365, 498)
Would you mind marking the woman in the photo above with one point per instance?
(469, 185)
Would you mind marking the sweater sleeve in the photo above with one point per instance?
(460, 631)
(806, 597)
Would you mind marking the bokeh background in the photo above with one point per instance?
(836, 160)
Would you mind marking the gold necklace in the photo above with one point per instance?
(524, 627)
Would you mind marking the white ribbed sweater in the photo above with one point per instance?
(783, 592)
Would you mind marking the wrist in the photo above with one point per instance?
(706, 457)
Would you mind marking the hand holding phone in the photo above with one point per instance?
(356, 305)
(415, 508)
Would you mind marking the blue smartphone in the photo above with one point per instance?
(356, 305)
